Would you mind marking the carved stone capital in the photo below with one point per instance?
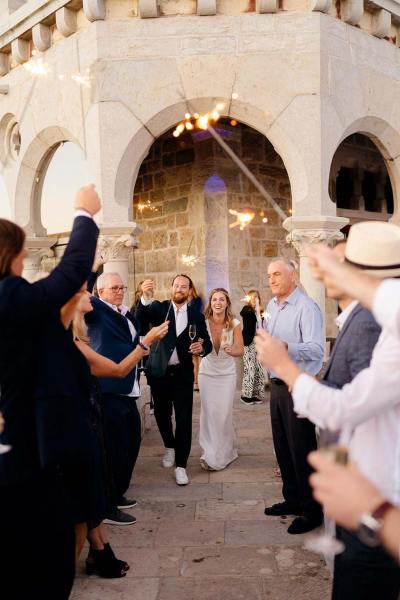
(304, 231)
(117, 241)
(38, 249)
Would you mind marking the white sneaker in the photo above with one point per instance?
(168, 458)
(180, 476)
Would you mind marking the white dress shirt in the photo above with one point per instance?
(181, 321)
(344, 315)
(123, 310)
(367, 410)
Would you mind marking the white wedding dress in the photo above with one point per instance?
(217, 383)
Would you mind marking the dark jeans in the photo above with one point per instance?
(293, 439)
(37, 541)
(123, 434)
(363, 573)
(174, 390)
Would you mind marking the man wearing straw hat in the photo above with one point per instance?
(367, 410)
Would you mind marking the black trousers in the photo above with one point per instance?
(122, 426)
(37, 541)
(363, 573)
(293, 439)
(174, 390)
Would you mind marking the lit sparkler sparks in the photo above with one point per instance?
(189, 260)
(242, 218)
(142, 206)
(36, 66)
(197, 121)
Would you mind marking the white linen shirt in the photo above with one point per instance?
(367, 410)
(344, 315)
(135, 392)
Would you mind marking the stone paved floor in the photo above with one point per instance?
(210, 540)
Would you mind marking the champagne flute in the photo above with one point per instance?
(326, 543)
(192, 332)
(224, 338)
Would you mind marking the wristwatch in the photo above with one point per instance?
(370, 525)
(143, 346)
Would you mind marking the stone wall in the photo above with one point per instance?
(191, 184)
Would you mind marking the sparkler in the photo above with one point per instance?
(142, 206)
(198, 121)
(242, 218)
(190, 260)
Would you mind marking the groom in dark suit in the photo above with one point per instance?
(170, 367)
(114, 333)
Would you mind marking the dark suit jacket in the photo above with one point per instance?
(353, 348)
(24, 310)
(110, 336)
(161, 352)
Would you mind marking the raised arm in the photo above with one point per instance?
(75, 266)
(100, 366)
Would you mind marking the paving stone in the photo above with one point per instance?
(156, 510)
(194, 491)
(211, 588)
(210, 540)
(235, 561)
(270, 492)
(272, 532)
(190, 534)
(115, 589)
(141, 534)
(219, 510)
(246, 468)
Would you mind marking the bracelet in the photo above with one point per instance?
(143, 346)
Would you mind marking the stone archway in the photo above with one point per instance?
(30, 177)
(183, 192)
(384, 143)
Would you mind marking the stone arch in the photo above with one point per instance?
(138, 147)
(387, 139)
(30, 178)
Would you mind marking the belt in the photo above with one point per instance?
(277, 381)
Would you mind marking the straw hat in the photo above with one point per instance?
(374, 247)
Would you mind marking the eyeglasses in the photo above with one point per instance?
(118, 288)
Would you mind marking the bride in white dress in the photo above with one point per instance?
(217, 382)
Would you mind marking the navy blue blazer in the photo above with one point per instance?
(110, 336)
(24, 311)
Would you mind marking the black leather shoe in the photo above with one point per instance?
(282, 508)
(118, 517)
(304, 524)
(126, 503)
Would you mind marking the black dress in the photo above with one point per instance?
(68, 423)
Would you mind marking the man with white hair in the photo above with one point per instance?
(294, 318)
(114, 333)
(367, 410)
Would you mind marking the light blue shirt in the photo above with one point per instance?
(298, 322)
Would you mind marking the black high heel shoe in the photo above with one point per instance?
(104, 564)
(110, 552)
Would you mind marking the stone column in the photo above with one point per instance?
(38, 248)
(304, 231)
(116, 243)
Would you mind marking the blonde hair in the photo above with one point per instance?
(229, 316)
(79, 328)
